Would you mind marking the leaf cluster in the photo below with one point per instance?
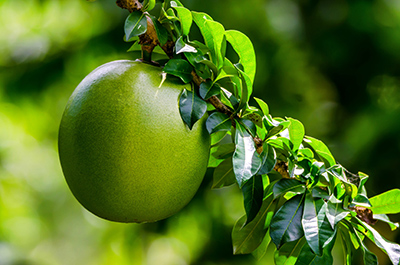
(295, 194)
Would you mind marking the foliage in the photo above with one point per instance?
(295, 193)
(331, 64)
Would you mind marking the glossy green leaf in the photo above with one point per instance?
(244, 48)
(369, 257)
(207, 90)
(260, 251)
(386, 203)
(308, 257)
(148, 5)
(249, 125)
(363, 180)
(246, 238)
(360, 200)
(390, 248)
(252, 192)
(167, 16)
(317, 229)
(229, 99)
(256, 119)
(246, 90)
(268, 159)
(223, 174)
(181, 46)
(179, 68)
(218, 121)
(285, 185)
(191, 107)
(321, 150)
(219, 153)
(218, 137)
(185, 18)
(162, 33)
(385, 218)
(217, 31)
(135, 25)
(286, 223)
(196, 60)
(213, 35)
(347, 244)
(264, 106)
(319, 192)
(289, 252)
(277, 129)
(246, 160)
(335, 213)
(296, 133)
(172, 3)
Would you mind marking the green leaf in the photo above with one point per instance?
(246, 160)
(207, 90)
(289, 252)
(246, 238)
(213, 34)
(391, 249)
(218, 136)
(286, 223)
(181, 46)
(244, 48)
(229, 99)
(252, 192)
(264, 107)
(148, 5)
(296, 133)
(307, 257)
(276, 129)
(360, 200)
(195, 59)
(306, 152)
(285, 185)
(256, 119)
(317, 230)
(135, 25)
(249, 126)
(282, 145)
(191, 107)
(185, 18)
(369, 257)
(246, 90)
(347, 243)
(219, 153)
(162, 33)
(260, 251)
(217, 32)
(386, 203)
(385, 218)
(179, 68)
(335, 213)
(218, 121)
(321, 151)
(223, 174)
(268, 159)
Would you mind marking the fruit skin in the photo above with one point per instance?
(125, 152)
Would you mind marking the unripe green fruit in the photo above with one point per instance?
(125, 152)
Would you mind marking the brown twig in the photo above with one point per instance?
(131, 5)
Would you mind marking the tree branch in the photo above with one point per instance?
(131, 5)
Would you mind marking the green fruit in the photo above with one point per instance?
(125, 152)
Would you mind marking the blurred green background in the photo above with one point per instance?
(333, 64)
